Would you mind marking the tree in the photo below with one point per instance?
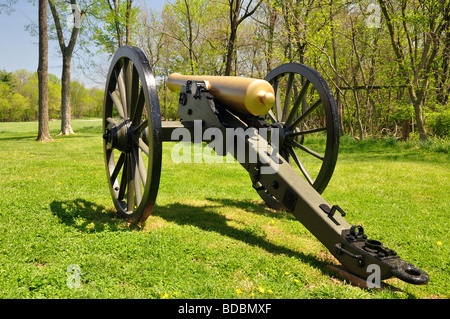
(443, 73)
(271, 15)
(29, 88)
(117, 21)
(187, 29)
(43, 130)
(235, 8)
(79, 96)
(417, 26)
(152, 39)
(66, 51)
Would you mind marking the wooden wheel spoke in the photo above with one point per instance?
(300, 165)
(130, 186)
(297, 102)
(306, 114)
(139, 108)
(144, 147)
(287, 100)
(111, 121)
(117, 168)
(136, 178)
(141, 127)
(305, 149)
(124, 180)
(141, 165)
(122, 92)
(277, 100)
(131, 79)
(117, 103)
(272, 116)
(298, 133)
(135, 91)
(127, 77)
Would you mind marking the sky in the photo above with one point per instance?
(19, 49)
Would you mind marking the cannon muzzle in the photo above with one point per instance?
(241, 94)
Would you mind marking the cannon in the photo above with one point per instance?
(264, 124)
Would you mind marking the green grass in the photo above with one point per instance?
(210, 236)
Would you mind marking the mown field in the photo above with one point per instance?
(210, 235)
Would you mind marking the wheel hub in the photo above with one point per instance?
(119, 136)
(282, 130)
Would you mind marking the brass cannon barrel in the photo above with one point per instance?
(241, 94)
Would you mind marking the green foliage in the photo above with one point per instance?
(439, 123)
(402, 112)
(19, 97)
(333, 37)
(116, 24)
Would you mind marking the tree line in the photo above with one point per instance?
(387, 61)
(19, 96)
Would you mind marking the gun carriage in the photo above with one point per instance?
(239, 110)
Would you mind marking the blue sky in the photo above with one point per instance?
(19, 49)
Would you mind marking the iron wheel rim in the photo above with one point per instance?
(290, 118)
(132, 134)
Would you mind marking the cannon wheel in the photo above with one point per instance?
(132, 134)
(304, 107)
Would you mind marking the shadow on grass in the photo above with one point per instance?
(89, 217)
(207, 219)
(19, 138)
(86, 216)
(259, 208)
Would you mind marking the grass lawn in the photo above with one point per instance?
(210, 235)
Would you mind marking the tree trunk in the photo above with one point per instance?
(272, 19)
(358, 115)
(234, 23)
(406, 129)
(66, 51)
(190, 37)
(66, 126)
(336, 71)
(43, 132)
(420, 121)
(128, 26)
